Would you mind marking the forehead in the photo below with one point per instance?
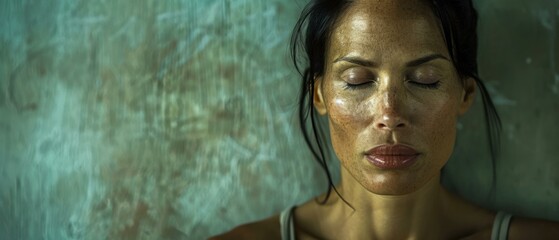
(377, 29)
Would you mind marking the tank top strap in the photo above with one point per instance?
(501, 225)
(286, 224)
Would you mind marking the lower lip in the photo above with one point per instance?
(392, 161)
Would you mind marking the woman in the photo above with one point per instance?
(392, 77)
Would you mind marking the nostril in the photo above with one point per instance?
(389, 123)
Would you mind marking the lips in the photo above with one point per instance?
(392, 156)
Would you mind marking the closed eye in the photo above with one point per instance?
(434, 85)
(350, 86)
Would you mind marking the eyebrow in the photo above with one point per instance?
(413, 63)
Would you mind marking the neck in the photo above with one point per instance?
(417, 215)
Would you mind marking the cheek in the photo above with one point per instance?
(440, 129)
(344, 112)
(348, 120)
(347, 110)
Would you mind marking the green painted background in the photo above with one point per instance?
(175, 119)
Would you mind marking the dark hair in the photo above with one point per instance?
(458, 20)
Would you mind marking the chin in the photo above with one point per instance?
(393, 182)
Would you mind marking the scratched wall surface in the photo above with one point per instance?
(176, 119)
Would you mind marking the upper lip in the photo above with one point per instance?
(392, 150)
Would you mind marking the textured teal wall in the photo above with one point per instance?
(176, 119)
(519, 60)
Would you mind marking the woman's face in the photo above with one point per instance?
(388, 81)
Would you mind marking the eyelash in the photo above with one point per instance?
(350, 86)
(434, 85)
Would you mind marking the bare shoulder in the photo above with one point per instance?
(268, 228)
(530, 228)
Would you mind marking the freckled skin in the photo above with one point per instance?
(392, 109)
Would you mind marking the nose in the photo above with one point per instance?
(389, 115)
(390, 123)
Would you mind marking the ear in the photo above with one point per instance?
(318, 100)
(468, 94)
